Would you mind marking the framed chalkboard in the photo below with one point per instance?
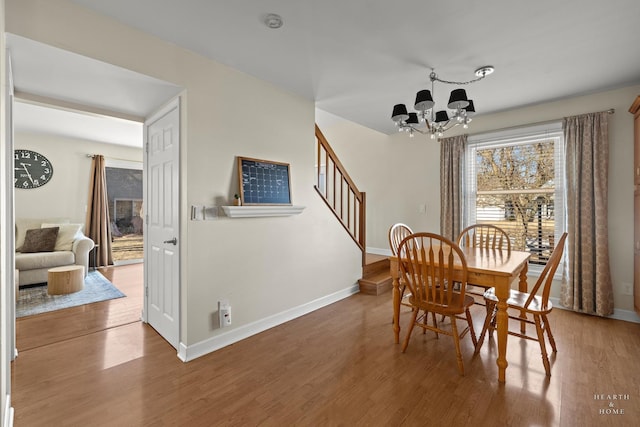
(263, 182)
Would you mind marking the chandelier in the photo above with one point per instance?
(438, 122)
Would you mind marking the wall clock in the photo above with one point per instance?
(31, 169)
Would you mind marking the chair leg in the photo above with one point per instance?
(435, 323)
(543, 347)
(487, 321)
(456, 339)
(471, 330)
(425, 322)
(414, 315)
(547, 327)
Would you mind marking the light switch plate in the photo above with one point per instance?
(197, 213)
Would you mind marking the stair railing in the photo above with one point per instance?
(339, 192)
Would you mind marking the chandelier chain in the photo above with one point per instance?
(436, 78)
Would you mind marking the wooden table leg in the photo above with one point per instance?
(522, 287)
(502, 318)
(396, 309)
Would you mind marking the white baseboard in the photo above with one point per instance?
(378, 251)
(8, 413)
(191, 352)
(625, 315)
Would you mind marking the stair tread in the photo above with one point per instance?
(378, 276)
(373, 258)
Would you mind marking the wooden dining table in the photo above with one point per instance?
(486, 267)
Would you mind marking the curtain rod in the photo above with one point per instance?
(609, 111)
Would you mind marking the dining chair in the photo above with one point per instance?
(430, 266)
(397, 232)
(531, 303)
(485, 236)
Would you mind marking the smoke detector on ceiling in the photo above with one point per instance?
(273, 21)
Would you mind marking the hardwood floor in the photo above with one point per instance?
(60, 325)
(335, 366)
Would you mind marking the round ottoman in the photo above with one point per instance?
(65, 280)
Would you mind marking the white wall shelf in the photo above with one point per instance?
(261, 211)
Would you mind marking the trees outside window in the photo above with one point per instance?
(516, 183)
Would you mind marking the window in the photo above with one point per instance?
(124, 190)
(515, 180)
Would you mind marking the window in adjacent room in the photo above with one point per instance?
(515, 180)
(124, 190)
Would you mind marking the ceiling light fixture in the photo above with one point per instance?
(273, 21)
(438, 122)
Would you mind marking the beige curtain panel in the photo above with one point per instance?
(587, 288)
(451, 185)
(98, 222)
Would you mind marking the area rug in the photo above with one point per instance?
(35, 300)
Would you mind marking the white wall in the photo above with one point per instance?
(265, 267)
(412, 176)
(66, 194)
(400, 175)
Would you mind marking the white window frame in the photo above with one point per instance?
(520, 135)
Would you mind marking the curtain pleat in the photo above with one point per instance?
(451, 164)
(97, 224)
(587, 287)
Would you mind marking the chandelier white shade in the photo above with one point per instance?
(435, 123)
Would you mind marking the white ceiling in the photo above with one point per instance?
(358, 58)
(93, 100)
(29, 117)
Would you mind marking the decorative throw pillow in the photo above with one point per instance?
(67, 233)
(40, 240)
(24, 224)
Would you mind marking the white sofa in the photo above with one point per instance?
(72, 247)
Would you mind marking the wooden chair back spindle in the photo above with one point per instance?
(546, 277)
(484, 236)
(397, 232)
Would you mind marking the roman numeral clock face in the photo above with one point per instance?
(31, 169)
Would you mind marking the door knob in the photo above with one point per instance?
(173, 241)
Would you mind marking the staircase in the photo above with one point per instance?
(376, 278)
(348, 204)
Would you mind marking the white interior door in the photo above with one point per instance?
(162, 243)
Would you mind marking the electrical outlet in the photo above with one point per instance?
(224, 313)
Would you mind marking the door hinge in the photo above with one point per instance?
(146, 291)
(146, 147)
